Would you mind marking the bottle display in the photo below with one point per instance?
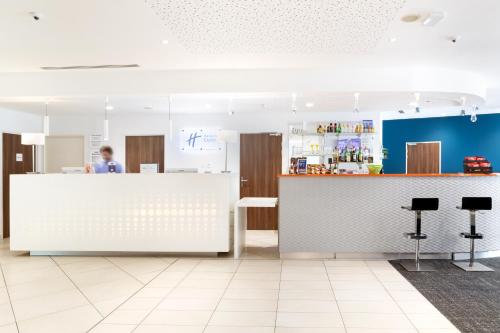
(332, 147)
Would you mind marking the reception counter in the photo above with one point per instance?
(360, 216)
(61, 214)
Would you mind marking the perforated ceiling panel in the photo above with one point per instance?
(277, 26)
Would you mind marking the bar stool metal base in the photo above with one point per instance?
(411, 266)
(476, 267)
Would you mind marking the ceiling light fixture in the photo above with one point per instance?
(46, 120)
(410, 18)
(164, 42)
(148, 107)
(309, 104)
(230, 110)
(109, 107)
(417, 102)
(170, 121)
(473, 116)
(463, 101)
(105, 135)
(393, 39)
(433, 18)
(356, 102)
(294, 100)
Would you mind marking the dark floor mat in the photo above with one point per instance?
(470, 300)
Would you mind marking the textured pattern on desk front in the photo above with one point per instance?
(120, 213)
(350, 214)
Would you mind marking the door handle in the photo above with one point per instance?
(242, 181)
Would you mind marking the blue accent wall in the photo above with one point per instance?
(458, 135)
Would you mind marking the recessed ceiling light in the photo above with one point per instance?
(164, 42)
(393, 39)
(433, 18)
(309, 104)
(410, 18)
(148, 107)
(208, 106)
(109, 107)
(231, 113)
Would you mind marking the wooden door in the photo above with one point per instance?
(423, 157)
(144, 150)
(17, 159)
(260, 165)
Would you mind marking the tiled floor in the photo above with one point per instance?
(257, 294)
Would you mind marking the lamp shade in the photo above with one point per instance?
(227, 136)
(33, 139)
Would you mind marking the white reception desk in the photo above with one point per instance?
(57, 213)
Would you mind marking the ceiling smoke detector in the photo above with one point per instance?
(410, 18)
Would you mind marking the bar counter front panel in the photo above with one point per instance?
(329, 216)
(120, 213)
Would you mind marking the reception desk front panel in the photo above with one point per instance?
(126, 212)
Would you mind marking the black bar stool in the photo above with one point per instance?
(473, 204)
(418, 205)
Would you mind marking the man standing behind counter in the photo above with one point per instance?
(107, 165)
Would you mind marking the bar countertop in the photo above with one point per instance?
(396, 175)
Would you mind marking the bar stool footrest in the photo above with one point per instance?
(413, 235)
(468, 235)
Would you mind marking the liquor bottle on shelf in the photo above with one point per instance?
(347, 155)
(365, 155)
(360, 155)
(334, 128)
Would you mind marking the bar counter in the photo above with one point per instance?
(360, 216)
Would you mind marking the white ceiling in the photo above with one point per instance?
(335, 37)
(276, 26)
(241, 103)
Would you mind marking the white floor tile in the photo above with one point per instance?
(305, 285)
(294, 305)
(318, 295)
(304, 276)
(75, 320)
(362, 295)
(204, 284)
(240, 318)
(12, 328)
(379, 330)
(187, 318)
(430, 321)
(257, 276)
(188, 304)
(289, 319)
(196, 293)
(251, 294)
(46, 304)
(113, 328)
(6, 315)
(309, 330)
(254, 284)
(140, 303)
(238, 329)
(126, 317)
(376, 320)
(418, 307)
(387, 306)
(169, 329)
(247, 305)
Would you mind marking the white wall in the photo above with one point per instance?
(15, 122)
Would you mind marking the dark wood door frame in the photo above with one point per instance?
(416, 144)
(260, 165)
(11, 146)
(144, 149)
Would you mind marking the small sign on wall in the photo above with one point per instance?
(199, 139)
(19, 157)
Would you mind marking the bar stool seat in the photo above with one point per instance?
(473, 205)
(418, 205)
